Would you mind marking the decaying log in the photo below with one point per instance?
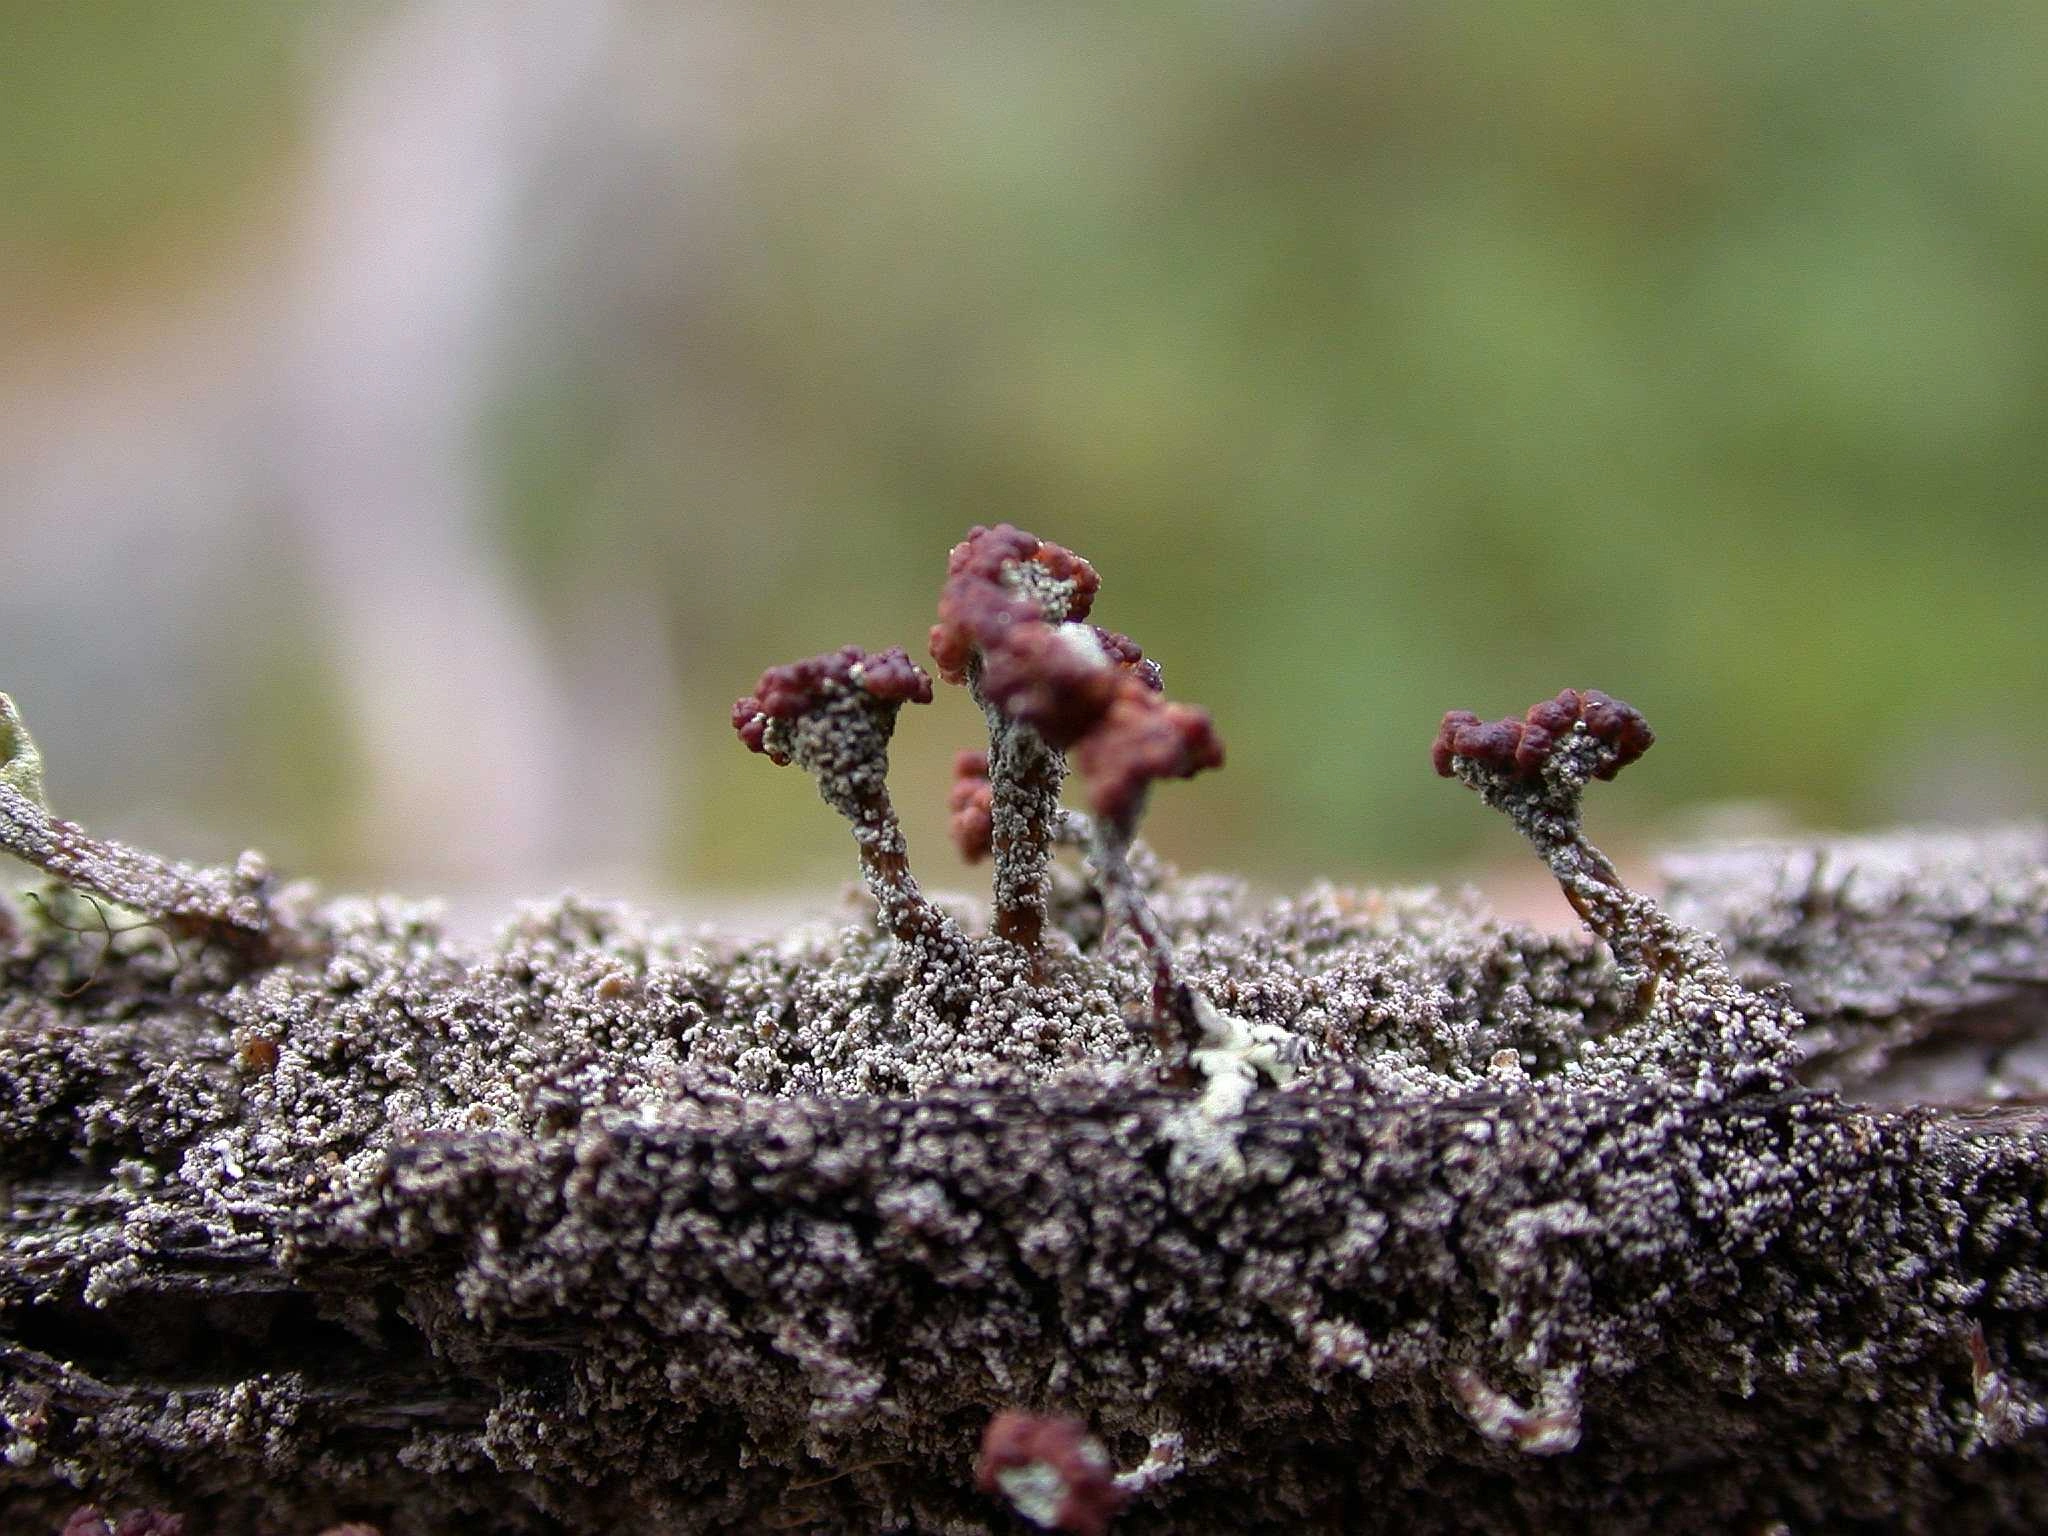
(601, 1227)
(1919, 961)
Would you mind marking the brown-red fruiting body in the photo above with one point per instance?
(1620, 725)
(1143, 737)
(1088, 1497)
(1519, 748)
(1447, 739)
(1054, 678)
(1556, 715)
(971, 801)
(750, 722)
(787, 691)
(1060, 679)
(1123, 653)
(795, 688)
(1532, 749)
(1492, 742)
(978, 607)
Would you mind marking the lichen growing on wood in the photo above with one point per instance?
(1011, 627)
(1916, 960)
(607, 1225)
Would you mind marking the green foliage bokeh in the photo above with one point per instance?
(1383, 359)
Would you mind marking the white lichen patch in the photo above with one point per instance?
(1080, 640)
(1036, 1492)
(1236, 1055)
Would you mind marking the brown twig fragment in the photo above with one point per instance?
(104, 926)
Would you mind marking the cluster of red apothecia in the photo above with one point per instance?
(1519, 748)
(794, 689)
(971, 801)
(1084, 690)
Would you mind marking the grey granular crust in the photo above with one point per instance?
(1918, 959)
(606, 1228)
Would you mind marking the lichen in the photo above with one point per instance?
(1443, 1224)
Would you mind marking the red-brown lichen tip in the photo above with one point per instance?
(1055, 678)
(891, 677)
(1124, 654)
(1520, 748)
(1557, 715)
(792, 690)
(990, 588)
(990, 552)
(1620, 725)
(1446, 738)
(749, 720)
(1052, 1470)
(971, 802)
(1492, 743)
(1141, 738)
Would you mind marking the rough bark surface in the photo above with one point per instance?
(603, 1228)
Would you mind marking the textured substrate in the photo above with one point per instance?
(604, 1228)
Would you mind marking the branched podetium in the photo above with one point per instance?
(1011, 628)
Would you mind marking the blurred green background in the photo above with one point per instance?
(420, 420)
